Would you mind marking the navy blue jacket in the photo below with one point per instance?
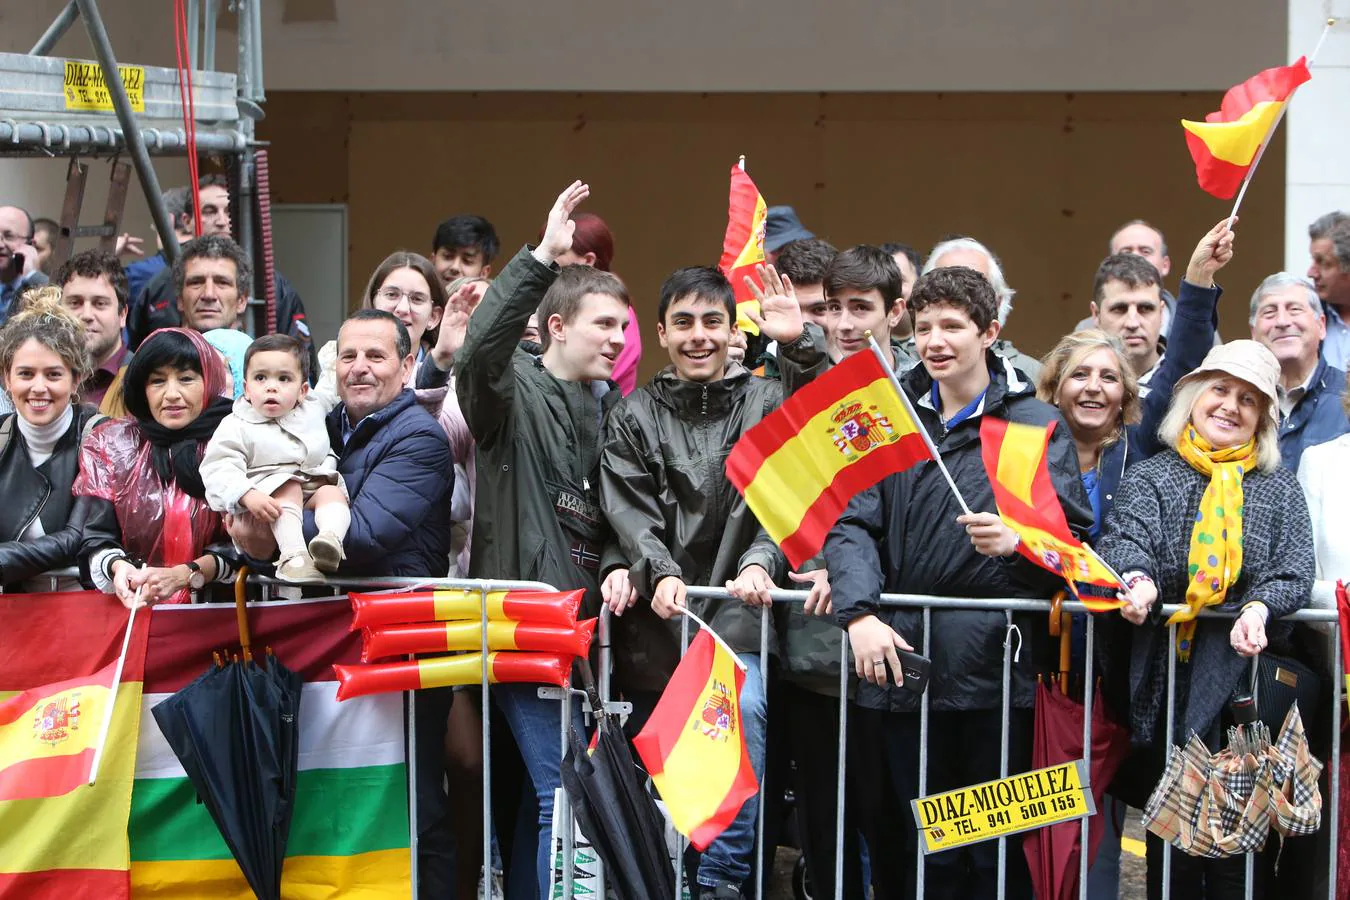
(1193, 325)
(1318, 417)
(399, 473)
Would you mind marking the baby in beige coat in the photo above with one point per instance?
(271, 457)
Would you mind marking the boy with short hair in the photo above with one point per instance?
(679, 521)
(905, 535)
(537, 423)
(864, 291)
(271, 457)
(464, 247)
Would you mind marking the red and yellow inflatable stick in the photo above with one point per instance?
(435, 637)
(444, 671)
(536, 607)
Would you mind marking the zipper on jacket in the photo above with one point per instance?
(46, 494)
(703, 410)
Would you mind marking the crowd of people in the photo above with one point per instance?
(484, 419)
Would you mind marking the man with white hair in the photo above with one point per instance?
(1286, 316)
(968, 252)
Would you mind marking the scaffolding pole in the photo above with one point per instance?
(57, 30)
(140, 157)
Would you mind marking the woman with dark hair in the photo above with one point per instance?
(42, 363)
(146, 468)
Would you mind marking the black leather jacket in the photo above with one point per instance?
(43, 492)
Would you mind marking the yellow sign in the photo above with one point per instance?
(85, 89)
(1017, 803)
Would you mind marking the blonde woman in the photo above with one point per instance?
(1211, 521)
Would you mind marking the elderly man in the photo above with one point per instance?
(18, 257)
(1329, 247)
(396, 463)
(1286, 315)
(94, 290)
(972, 254)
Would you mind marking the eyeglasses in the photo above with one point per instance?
(393, 295)
(10, 237)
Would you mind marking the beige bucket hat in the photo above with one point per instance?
(1248, 360)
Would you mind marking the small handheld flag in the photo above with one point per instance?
(694, 743)
(1016, 461)
(743, 246)
(834, 438)
(1227, 145)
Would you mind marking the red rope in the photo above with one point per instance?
(187, 101)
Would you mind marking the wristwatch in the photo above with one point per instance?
(196, 580)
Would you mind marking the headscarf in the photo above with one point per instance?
(176, 452)
(1215, 559)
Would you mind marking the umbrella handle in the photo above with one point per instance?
(241, 611)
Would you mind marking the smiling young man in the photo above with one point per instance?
(94, 290)
(537, 422)
(679, 521)
(1287, 317)
(909, 535)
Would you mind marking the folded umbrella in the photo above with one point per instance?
(1053, 852)
(614, 809)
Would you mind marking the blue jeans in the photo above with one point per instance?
(728, 859)
(1104, 873)
(534, 723)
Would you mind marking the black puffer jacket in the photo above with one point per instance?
(42, 492)
(664, 490)
(901, 537)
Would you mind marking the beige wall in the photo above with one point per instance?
(715, 45)
(1042, 178)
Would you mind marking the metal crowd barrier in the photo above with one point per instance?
(1008, 607)
(910, 601)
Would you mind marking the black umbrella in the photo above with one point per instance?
(235, 730)
(614, 809)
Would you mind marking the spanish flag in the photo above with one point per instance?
(1015, 458)
(1343, 613)
(837, 436)
(694, 743)
(59, 835)
(743, 246)
(1225, 145)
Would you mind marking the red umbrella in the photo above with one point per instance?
(1052, 852)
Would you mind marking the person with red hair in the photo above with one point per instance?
(593, 245)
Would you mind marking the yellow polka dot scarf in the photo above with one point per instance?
(1216, 540)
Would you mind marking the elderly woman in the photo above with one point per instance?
(1212, 521)
(42, 363)
(146, 468)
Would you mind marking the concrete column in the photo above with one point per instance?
(1317, 161)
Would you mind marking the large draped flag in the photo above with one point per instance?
(1226, 144)
(349, 831)
(743, 246)
(837, 436)
(1016, 460)
(59, 836)
(694, 743)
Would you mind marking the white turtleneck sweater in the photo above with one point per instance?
(41, 440)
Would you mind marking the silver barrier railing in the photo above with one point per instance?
(914, 601)
(1008, 607)
(483, 587)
